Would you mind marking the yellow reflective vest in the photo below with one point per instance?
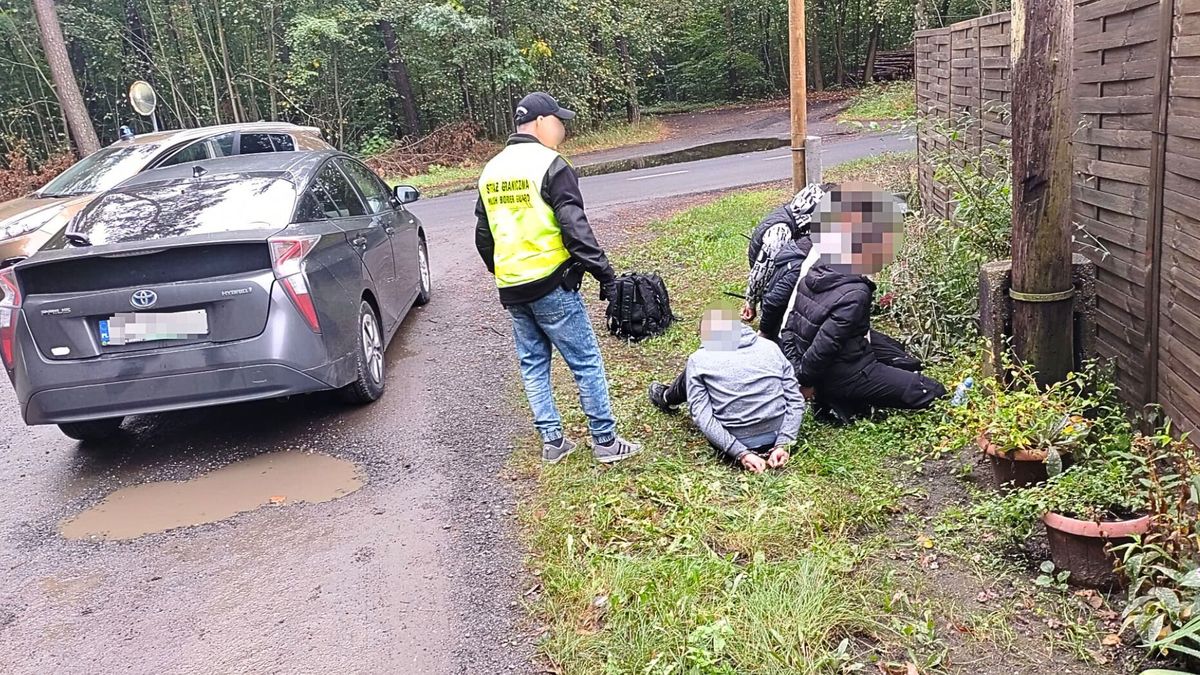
(528, 240)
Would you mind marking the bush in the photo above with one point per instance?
(19, 176)
(934, 283)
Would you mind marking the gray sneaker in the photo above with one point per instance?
(553, 455)
(616, 451)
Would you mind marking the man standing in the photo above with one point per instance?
(534, 237)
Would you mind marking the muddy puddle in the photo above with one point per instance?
(272, 479)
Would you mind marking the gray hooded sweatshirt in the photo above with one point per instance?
(744, 397)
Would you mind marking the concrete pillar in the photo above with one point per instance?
(812, 154)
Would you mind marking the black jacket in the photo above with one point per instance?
(779, 289)
(825, 334)
(560, 189)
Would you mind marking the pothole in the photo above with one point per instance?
(275, 478)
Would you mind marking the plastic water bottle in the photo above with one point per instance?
(960, 392)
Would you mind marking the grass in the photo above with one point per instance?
(441, 180)
(674, 562)
(894, 171)
(890, 101)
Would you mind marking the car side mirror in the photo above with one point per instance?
(406, 194)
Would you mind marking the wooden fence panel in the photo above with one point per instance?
(1179, 284)
(1136, 157)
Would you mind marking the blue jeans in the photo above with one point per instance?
(560, 320)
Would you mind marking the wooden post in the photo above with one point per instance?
(799, 87)
(1041, 187)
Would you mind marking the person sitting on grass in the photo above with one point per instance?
(826, 332)
(741, 393)
(786, 226)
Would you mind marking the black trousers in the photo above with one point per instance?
(878, 385)
(676, 394)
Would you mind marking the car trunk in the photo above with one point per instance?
(138, 298)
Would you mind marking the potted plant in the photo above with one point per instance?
(1163, 565)
(1029, 433)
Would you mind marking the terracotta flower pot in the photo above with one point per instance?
(1081, 546)
(1021, 468)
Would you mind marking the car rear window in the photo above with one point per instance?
(160, 210)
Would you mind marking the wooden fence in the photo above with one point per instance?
(1136, 154)
(962, 98)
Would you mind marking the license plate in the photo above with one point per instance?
(128, 328)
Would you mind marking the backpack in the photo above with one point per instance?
(640, 307)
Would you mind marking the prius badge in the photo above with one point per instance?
(143, 299)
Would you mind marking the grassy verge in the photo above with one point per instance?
(441, 180)
(891, 101)
(859, 556)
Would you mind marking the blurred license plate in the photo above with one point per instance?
(123, 329)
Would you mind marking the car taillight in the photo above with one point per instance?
(287, 258)
(10, 304)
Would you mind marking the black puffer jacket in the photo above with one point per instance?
(825, 334)
(779, 289)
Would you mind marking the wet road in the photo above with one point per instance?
(416, 570)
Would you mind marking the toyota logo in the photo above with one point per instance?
(143, 299)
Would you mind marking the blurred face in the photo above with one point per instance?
(720, 330)
(859, 228)
(550, 131)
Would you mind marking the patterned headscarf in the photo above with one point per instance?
(805, 203)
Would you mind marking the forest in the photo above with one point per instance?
(370, 71)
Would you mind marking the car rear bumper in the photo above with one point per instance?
(287, 358)
(169, 392)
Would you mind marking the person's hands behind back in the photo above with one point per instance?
(753, 463)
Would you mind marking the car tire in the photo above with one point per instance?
(425, 291)
(369, 358)
(92, 430)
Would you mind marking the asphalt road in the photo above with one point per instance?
(416, 572)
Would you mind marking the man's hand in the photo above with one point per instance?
(748, 312)
(779, 456)
(753, 463)
(608, 291)
(809, 393)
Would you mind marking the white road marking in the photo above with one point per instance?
(771, 159)
(658, 175)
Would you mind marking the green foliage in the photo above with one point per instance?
(892, 101)
(1051, 578)
(934, 283)
(326, 63)
(1163, 566)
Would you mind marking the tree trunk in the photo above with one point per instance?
(1041, 186)
(814, 50)
(920, 15)
(234, 100)
(633, 110)
(872, 50)
(731, 80)
(839, 56)
(65, 86)
(398, 75)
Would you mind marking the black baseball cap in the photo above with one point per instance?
(540, 104)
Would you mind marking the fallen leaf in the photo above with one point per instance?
(924, 542)
(912, 669)
(1091, 597)
(278, 499)
(1098, 657)
(1111, 640)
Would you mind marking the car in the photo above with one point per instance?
(28, 222)
(214, 282)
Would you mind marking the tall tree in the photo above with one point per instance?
(65, 86)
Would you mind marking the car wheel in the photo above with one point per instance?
(92, 430)
(426, 290)
(370, 358)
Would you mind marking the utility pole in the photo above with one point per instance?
(799, 87)
(1042, 289)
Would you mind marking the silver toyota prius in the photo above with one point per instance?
(214, 282)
